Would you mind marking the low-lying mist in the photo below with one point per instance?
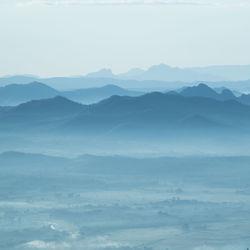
(114, 202)
(160, 171)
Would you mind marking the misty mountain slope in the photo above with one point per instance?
(164, 72)
(103, 73)
(150, 112)
(91, 95)
(18, 79)
(9, 160)
(207, 170)
(39, 113)
(202, 123)
(14, 94)
(245, 99)
(69, 83)
(228, 72)
(132, 73)
(227, 94)
(200, 90)
(162, 111)
(203, 90)
(53, 106)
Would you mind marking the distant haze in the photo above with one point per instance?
(62, 38)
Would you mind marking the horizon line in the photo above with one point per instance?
(118, 73)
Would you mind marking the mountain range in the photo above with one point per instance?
(225, 94)
(157, 77)
(152, 113)
(204, 91)
(15, 94)
(163, 72)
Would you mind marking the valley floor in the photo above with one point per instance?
(95, 202)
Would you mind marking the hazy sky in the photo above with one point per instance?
(63, 37)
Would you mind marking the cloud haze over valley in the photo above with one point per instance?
(124, 125)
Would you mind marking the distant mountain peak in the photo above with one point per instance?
(202, 85)
(29, 86)
(161, 66)
(204, 91)
(37, 83)
(227, 92)
(200, 90)
(132, 73)
(14, 94)
(106, 73)
(57, 100)
(111, 86)
(55, 105)
(172, 92)
(136, 71)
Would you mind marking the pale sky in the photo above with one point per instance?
(63, 37)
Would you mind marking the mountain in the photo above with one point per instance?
(91, 95)
(14, 94)
(164, 72)
(219, 90)
(149, 113)
(135, 80)
(161, 112)
(20, 79)
(245, 99)
(39, 114)
(132, 74)
(226, 72)
(204, 91)
(82, 82)
(54, 106)
(200, 90)
(103, 73)
(161, 72)
(227, 94)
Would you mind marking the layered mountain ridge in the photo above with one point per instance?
(150, 112)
